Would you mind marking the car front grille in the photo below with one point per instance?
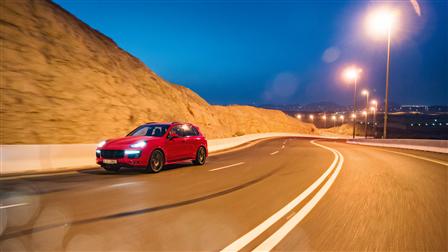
(112, 153)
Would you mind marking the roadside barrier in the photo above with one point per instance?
(31, 158)
(440, 146)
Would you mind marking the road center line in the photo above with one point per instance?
(227, 166)
(13, 205)
(273, 153)
(281, 233)
(241, 242)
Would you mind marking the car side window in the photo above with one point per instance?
(195, 131)
(178, 130)
(189, 130)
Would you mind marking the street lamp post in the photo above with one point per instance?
(324, 117)
(374, 109)
(382, 21)
(366, 94)
(334, 120)
(354, 109)
(352, 74)
(342, 119)
(386, 99)
(366, 114)
(353, 116)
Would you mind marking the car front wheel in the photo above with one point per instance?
(201, 155)
(156, 162)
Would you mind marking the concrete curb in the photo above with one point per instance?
(47, 158)
(439, 146)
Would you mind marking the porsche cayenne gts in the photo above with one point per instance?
(153, 145)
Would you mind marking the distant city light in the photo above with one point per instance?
(299, 116)
(365, 92)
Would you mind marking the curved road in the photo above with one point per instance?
(280, 194)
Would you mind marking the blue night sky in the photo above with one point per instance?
(287, 52)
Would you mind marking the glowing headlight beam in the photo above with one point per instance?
(139, 144)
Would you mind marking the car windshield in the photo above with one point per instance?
(150, 130)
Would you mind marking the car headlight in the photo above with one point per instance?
(133, 153)
(140, 144)
(101, 144)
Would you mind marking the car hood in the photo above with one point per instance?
(125, 142)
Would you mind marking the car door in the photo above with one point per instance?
(175, 146)
(189, 141)
(193, 141)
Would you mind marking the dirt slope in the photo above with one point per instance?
(64, 82)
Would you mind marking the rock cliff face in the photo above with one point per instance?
(64, 82)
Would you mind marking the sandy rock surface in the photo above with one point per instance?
(64, 82)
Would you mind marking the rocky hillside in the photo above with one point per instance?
(64, 82)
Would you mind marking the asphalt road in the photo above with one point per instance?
(281, 194)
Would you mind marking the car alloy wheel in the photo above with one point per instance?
(156, 161)
(200, 156)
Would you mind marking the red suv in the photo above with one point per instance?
(153, 145)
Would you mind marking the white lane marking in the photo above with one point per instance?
(227, 166)
(13, 205)
(276, 237)
(255, 232)
(122, 184)
(283, 146)
(418, 157)
(273, 153)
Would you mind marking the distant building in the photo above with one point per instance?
(440, 108)
(414, 108)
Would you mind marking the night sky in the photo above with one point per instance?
(279, 52)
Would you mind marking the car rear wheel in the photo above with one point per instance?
(201, 155)
(156, 162)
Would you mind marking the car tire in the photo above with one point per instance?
(201, 156)
(156, 162)
(111, 169)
